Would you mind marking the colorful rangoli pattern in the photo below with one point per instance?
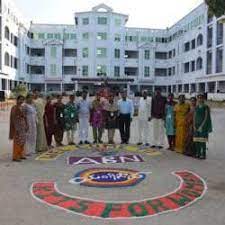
(191, 189)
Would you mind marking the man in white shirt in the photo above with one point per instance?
(144, 116)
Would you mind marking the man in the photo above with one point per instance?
(71, 117)
(39, 103)
(84, 107)
(59, 121)
(158, 117)
(126, 112)
(144, 115)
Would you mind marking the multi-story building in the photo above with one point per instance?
(185, 58)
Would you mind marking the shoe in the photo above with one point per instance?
(147, 145)
(23, 158)
(87, 142)
(153, 146)
(139, 143)
(95, 142)
(159, 147)
(16, 160)
(100, 142)
(81, 142)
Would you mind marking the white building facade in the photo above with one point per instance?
(185, 58)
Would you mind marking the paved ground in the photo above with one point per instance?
(18, 207)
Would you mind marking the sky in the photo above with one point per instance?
(142, 13)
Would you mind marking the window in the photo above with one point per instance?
(173, 70)
(192, 66)
(102, 20)
(40, 70)
(53, 52)
(193, 44)
(170, 54)
(15, 63)
(209, 37)
(69, 70)
(7, 60)
(219, 60)
(186, 67)
(7, 33)
(209, 63)
(85, 71)
(117, 37)
(147, 54)
(169, 71)
(187, 46)
(117, 53)
(102, 36)
(11, 61)
(219, 35)
(28, 68)
(116, 71)
(66, 36)
(200, 40)
(118, 22)
(53, 69)
(85, 36)
(73, 36)
(147, 71)
(15, 40)
(41, 36)
(70, 52)
(57, 36)
(174, 52)
(161, 55)
(101, 52)
(37, 52)
(50, 36)
(160, 72)
(199, 63)
(101, 70)
(85, 21)
(85, 52)
(131, 38)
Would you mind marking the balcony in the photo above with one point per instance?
(131, 71)
(37, 78)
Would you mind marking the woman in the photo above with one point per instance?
(59, 121)
(181, 111)
(189, 144)
(41, 144)
(49, 121)
(71, 118)
(111, 116)
(18, 129)
(97, 119)
(202, 127)
(170, 121)
(31, 115)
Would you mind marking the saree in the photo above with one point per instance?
(189, 144)
(41, 142)
(203, 126)
(181, 111)
(18, 131)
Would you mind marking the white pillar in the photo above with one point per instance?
(206, 87)
(61, 87)
(197, 87)
(190, 89)
(128, 89)
(45, 88)
(216, 86)
(76, 86)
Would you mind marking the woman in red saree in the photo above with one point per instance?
(18, 129)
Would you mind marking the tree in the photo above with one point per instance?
(20, 89)
(216, 7)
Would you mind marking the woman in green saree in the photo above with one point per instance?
(202, 127)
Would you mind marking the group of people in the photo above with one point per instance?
(34, 121)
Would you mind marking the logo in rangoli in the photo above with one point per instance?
(191, 189)
(109, 177)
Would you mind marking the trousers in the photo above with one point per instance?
(83, 128)
(70, 135)
(143, 131)
(158, 132)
